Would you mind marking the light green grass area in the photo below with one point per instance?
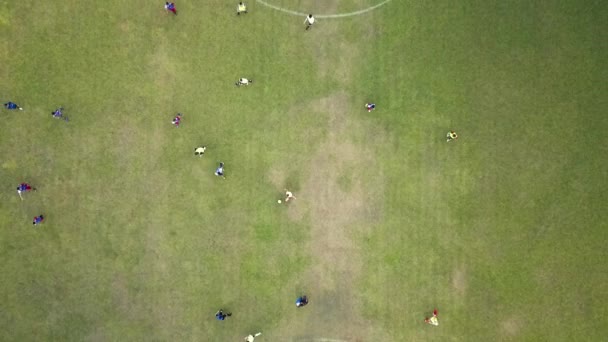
(503, 231)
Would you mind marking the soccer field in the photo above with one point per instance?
(502, 230)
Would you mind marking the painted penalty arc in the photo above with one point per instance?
(325, 16)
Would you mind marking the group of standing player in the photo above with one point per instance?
(200, 151)
(26, 187)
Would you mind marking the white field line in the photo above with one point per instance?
(325, 16)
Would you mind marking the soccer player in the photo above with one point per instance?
(169, 6)
(199, 151)
(38, 220)
(251, 338)
(24, 187)
(241, 8)
(177, 120)
(243, 82)
(220, 170)
(289, 195)
(220, 315)
(309, 21)
(451, 136)
(301, 301)
(432, 320)
(370, 106)
(58, 114)
(12, 105)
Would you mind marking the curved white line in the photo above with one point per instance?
(324, 16)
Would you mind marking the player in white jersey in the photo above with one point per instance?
(309, 21)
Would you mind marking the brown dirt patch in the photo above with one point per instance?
(336, 155)
(339, 215)
(126, 146)
(97, 336)
(154, 237)
(164, 311)
(161, 66)
(120, 294)
(277, 177)
(512, 326)
(131, 144)
(334, 61)
(124, 26)
(338, 60)
(544, 277)
(460, 279)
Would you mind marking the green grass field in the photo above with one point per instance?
(503, 231)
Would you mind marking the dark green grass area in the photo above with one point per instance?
(503, 230)
(505, 226)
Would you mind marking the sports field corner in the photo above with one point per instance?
(502, 229)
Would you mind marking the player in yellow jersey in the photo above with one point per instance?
(241, 8)
(433, 319)
(451, 136)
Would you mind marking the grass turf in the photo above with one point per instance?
(502, 230)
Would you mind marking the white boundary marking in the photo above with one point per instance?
(325, 16)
